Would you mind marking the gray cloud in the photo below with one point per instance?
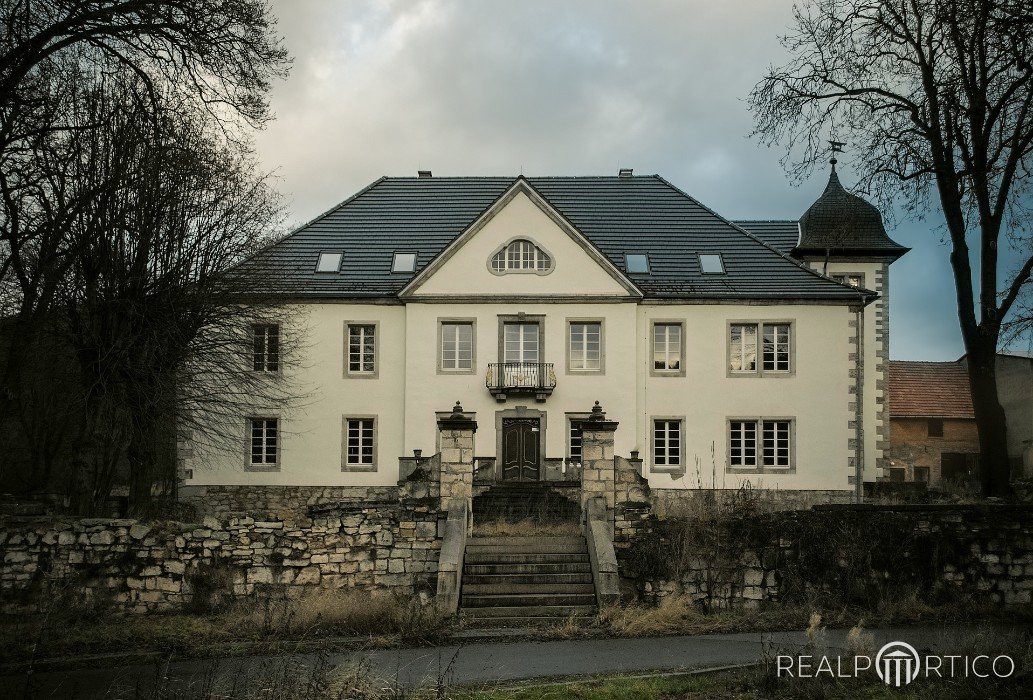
(489, 87)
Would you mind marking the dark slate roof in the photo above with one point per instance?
(641, 214)
(782, 235)
(929, 390)
(843, 222)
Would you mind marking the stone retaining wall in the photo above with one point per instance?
(147, 567)
(850, 554)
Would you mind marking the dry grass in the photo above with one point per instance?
(267, 623)
(525, 528)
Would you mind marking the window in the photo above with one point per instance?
(776, 434)
(711, 263)
(586, 353)
(265, 435)
(743, 443)
(266, 354)
(404, 262)
(776, 348)
(667, 347)
(743, 348)
(852, 280)
(456, 346)
(521, 255)
(922, 474)
(636, 263)
(329, 262)
(362, 349)
(934, 427)
(775, 450)
(360, 443)
(574, 439)
(520, 342)
(666, 443)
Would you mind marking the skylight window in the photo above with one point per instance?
(404, 262)
(711, 263)
(636, 263)
(329, 262)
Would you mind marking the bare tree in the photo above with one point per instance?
(936, 97)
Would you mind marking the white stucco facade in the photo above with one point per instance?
(409, 386)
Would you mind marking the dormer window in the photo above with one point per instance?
(329, 262)
(711, 263)
(521, 255)
(404, 262)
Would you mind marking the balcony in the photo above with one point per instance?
(535, 379)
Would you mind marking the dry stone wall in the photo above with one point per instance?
(162, 566)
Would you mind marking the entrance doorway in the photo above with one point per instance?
(521, 455)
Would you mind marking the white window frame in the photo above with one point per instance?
(521, 255)
(658, 435)
(362, 373)
(264, 358)
(444, 324)
(353, 428)
(680, 371)
(574, 432)
(763, 462)
(264, 465)
(848, 278)
(523, 350)
(737, 350)
(575, 363)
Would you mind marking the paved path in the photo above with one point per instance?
(473, 663)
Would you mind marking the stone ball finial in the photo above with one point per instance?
(597, 412)
(457, 410)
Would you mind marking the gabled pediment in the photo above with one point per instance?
(521, 247)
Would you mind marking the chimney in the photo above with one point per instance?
(423, 174)
(625, 172)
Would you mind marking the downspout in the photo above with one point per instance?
(859, 407)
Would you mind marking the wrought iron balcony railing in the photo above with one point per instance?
(513, 378)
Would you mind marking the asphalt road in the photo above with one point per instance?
(459, 664)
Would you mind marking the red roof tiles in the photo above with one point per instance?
(929, 390)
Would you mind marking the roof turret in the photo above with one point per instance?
(841, 223)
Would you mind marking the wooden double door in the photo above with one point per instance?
(521, 449)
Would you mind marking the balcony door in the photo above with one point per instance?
(520, 449)
(521, 343)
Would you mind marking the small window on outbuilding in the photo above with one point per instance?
(329, 262)
(711, 263)
(636, 263)
(935, 427)
(404, 262)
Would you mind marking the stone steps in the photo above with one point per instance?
(520, 581)
(529, 500)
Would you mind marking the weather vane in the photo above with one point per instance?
(837, 147)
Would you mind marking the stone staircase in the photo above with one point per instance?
(521, 581)
(541, 501)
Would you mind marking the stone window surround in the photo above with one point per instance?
(521, 318)
(472, 321)
(345, 467)
(521, 412)
(653, 372)
(760, 468)
(522, 271)
(666, 468)
(248, 466)
(375, 374)
(760, 371)
(602, 345)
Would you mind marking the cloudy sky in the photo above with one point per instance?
(486, 87)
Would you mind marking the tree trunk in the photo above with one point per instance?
(994, 468)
